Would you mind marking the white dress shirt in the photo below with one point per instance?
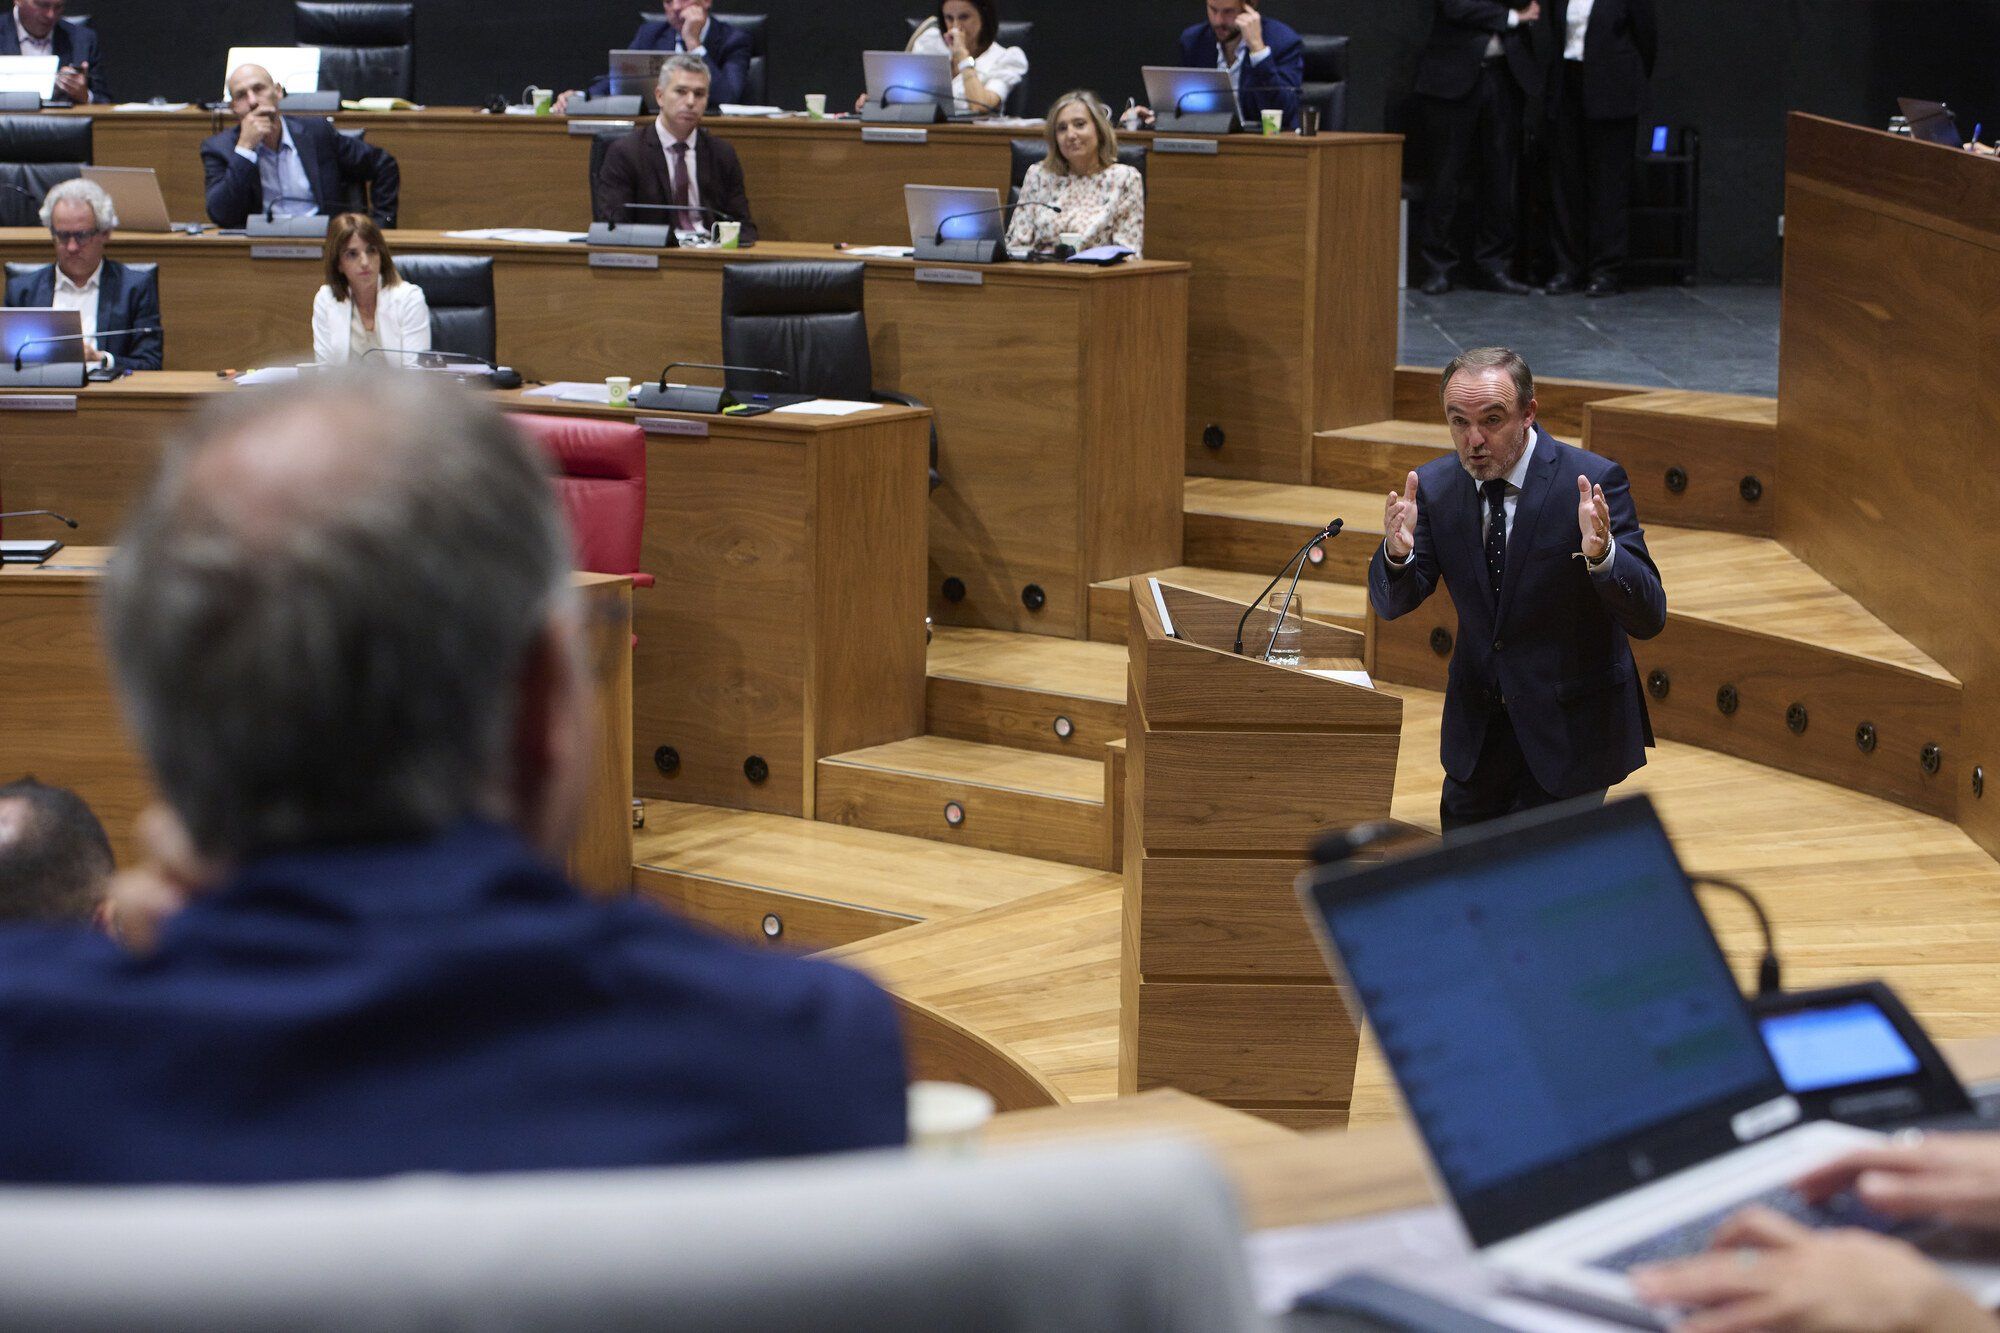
(693, 175)
(1235, 66)
(83, 300)
(1509, 503)
(1000, 68)
(1493, 47)
(1576, 26)
(33, 46)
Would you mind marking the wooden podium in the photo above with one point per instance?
(1234, 766)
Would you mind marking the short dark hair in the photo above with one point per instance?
(59, 865)
(989, 23)
(1492, 358)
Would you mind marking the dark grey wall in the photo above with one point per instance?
(1732, 68)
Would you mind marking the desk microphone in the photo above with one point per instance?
(76, 338)
(982, 212)
(706, 365)
(270, 205)
(36, 513)
(1330, 530)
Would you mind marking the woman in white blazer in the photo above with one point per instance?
(364, 303)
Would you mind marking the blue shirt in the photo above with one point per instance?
(283, 176)
(451, 1004)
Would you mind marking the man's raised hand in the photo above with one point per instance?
(1399, 520)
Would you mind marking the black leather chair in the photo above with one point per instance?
(1019, 32)
(459, 291)
(756, 88)
(600, 144)
(354, 194)
(805, 318)
(365, 49)
(36, 154)
(1325, 81)
(1027, 152)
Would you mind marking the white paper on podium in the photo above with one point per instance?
(525, 235)
(574, 391)
(267, 375)
(1345, 677)
(825, 407)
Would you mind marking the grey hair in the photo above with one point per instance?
(683, 63)
(80, 191)
(1492, 358)
(337, 662)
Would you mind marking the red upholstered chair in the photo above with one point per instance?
(600, 476)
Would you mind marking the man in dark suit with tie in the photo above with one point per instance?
(38, 28)
(1265, 58)
(1542, 552)
(109, 295)
(1602, 59)
(687, 27)
(289, 165)
(670, 160)
(1473, 83)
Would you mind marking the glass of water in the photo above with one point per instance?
(1282, 614)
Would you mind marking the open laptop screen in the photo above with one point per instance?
(1554, 1007)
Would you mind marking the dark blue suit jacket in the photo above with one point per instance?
(127, 298)
(1555, 647)
(331, 159)
(450, 1004)
(1268, 85)
(726, 49)
(72, 43)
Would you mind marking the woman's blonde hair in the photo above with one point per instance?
(1100, 115)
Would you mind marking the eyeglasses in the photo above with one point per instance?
(77, 237)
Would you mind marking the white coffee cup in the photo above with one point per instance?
(728, 234)
(542, 99)
(620, 389)
(1073, 239)
(946, 1118)
(816, 105)
(1274, 121)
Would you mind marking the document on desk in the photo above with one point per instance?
(524, 235)
(150, 106)
(825, 407)
(572, 391)
(879, 251)
(747, 109)
(267, 375)
(1344, 677)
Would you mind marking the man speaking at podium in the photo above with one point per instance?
(1547, 566)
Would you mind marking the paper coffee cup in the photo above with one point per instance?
(620, 388)
(1073, 239)
(727, 234)
(946, 1118)
(545, 98)
(816, 105)
(1273, 121)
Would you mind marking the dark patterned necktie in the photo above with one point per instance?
(1496, 531)
(678, 187)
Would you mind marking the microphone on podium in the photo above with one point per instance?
(38, 513)
(1332, 529)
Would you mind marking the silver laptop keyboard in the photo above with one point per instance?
(1690, 1238)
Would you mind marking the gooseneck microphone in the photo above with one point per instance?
(1769, 979)
(983, 212)
(1332, 529)
(39, 513)
(500, 377)
(707, 365)
(20, 351)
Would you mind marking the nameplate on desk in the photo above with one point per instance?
(593, 128)
(953, 277)
(601, 259)
(1198, 147)
(37, 402)
(890, 134)
(673, 426)
(287, 251)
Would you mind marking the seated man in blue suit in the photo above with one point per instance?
(38, 28)
(688, 27)
(343, 620)
(288, 165)
(1541, 550)
(1265, 59)
(107, 294)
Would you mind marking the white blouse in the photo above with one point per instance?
(1108, 208)
(1000, 68)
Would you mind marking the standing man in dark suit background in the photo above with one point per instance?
(651, 165)
(1541, 549)
(295, 164)
(688, 28)
(105, 293)
(1474, 81)
(1597, 87)
(38, 28)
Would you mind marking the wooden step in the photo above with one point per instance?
(1029, 691)
(1255, 526)
(738, 871)
(1047, 806)
(1560, 402)
(1744, 613)
(1378, 456)
(1696, 460)
(1343, 604)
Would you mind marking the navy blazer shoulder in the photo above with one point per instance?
(128, 297)
(1271, 84)
(73, 44)
(725, 49)
(1553, 649)
(451, 1004)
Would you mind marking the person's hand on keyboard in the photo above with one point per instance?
(1769, 1273)
(1949, 1178)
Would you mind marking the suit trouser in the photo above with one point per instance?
(1591, 184)
(1475, 142)
(1500, 784)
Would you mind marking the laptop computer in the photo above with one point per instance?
(29, 74)
(1589, 1082)
(895, 77)
(294, 68)
(1932, 122)
(135, 193)
(49, 344)
(637, 74)
(1175, 91)
(940, 210)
